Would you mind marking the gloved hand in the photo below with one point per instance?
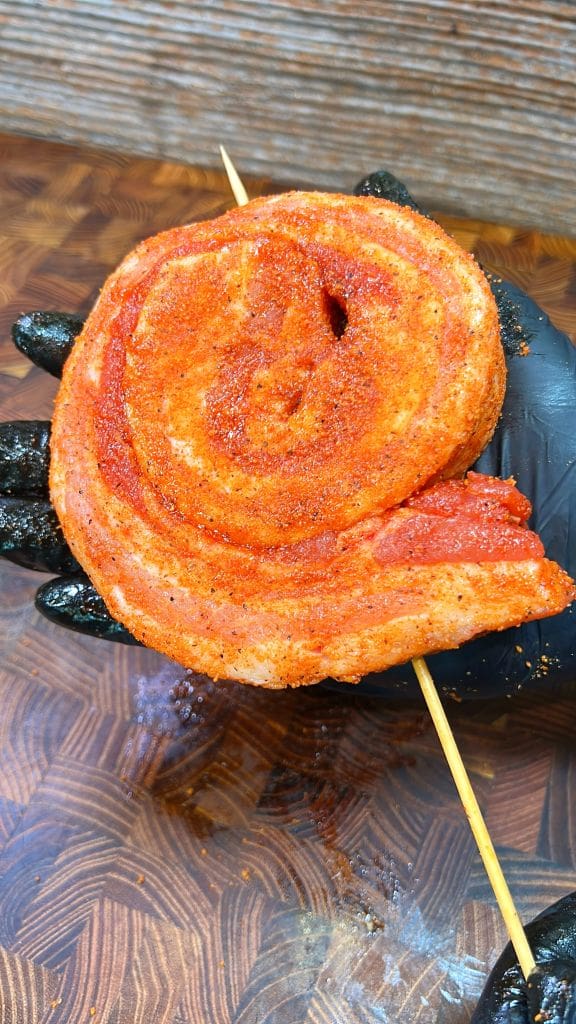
(549, 997)
(535, 442)
(29, 530)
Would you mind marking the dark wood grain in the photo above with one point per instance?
(174, 851)
(472, 103)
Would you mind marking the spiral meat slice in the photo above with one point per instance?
(251, 439)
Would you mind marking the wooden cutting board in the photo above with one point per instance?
(178, 852)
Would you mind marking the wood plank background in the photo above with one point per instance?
(473, 103)
(178, 852)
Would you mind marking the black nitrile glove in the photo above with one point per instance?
(549, 996)
(29, 530)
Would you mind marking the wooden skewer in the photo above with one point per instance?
(475, 819)
(450, 748)
(238, 190)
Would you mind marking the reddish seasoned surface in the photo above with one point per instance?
(479, 519)
(246, 424)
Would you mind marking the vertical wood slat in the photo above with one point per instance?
(472, 103)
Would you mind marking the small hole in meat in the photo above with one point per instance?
(337, 314)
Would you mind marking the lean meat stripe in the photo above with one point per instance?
(257, 439)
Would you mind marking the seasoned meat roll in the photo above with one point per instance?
(252, 436)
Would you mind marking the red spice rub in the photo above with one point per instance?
(245, 427)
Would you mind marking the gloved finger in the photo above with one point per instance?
(24, 458)
(30, 535)
(73, 602)
(47, 338)
(384, 185)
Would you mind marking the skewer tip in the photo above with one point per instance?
(239, 192)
